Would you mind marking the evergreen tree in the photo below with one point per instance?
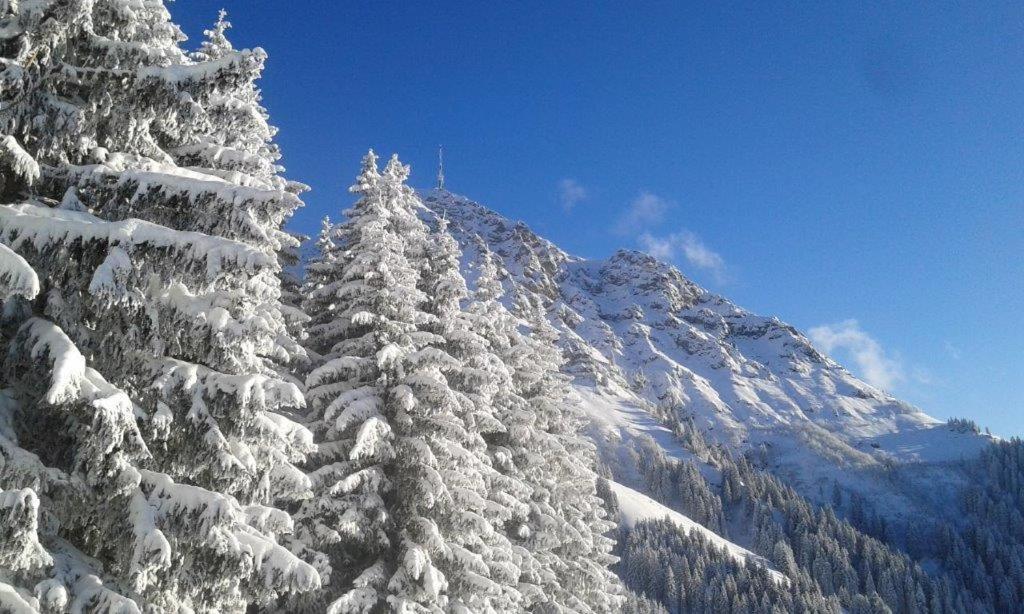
(477, 380)
(319, 304)
(509, 439)
(566, 529)
(235, 140)
(356, 392)
(402, 475)
(548, 479)
(144, 422)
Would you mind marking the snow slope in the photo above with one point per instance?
(635, 507)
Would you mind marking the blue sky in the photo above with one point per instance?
(856, 170)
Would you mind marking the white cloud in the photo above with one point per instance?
(874, 364)
(688, 245)
(661, 248)
(644, 211)
(570, 193)
(700, 255)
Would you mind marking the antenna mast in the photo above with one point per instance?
(440, 167)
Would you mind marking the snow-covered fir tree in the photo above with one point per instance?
(320, 306)
(361, 300)
(236, 141)
(145, 447)
(476, 379)
(567, 527)
(400, 476)
(437, 487)
(547, 480)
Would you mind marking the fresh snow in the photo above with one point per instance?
(635, 507)
(42, 226)
(13, 602)
(936, 444)
(17, 160)
(624, 418)
(17, 278)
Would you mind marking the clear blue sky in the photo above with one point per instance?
(820, 162)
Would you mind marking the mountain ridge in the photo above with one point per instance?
(638, 329)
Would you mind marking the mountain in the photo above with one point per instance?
(745, 469)
(727, 436)
(647, 346)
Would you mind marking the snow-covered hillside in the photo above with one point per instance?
(637, 331)
(635, 507)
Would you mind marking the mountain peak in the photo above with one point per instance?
(635, 326)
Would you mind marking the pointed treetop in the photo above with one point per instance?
(222, 21)
(369, 175)
(442, 222)
(216, 44)
(326, 229)
(325, 240)
(488, 283)
(395, 170)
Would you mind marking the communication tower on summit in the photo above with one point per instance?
(440, 167)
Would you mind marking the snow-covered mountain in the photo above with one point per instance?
(643, 340)
(730, 444)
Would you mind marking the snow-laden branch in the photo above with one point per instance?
(17, 278)
(16, 160)
(43, 227)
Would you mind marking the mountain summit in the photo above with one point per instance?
(637, 331)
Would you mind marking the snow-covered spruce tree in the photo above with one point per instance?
(509, 446)
(359, 302)
(566, 529)
(400, 477)
(547, 479)
(141, 406)
(451, 467)
(320, 305)
(479, 489)
(235, 140)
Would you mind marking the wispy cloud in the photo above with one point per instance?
(923, 376)
(644, 211)
(873, 363)
(690, 247)
(570, 193)
(953, 351)
(645, 215)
